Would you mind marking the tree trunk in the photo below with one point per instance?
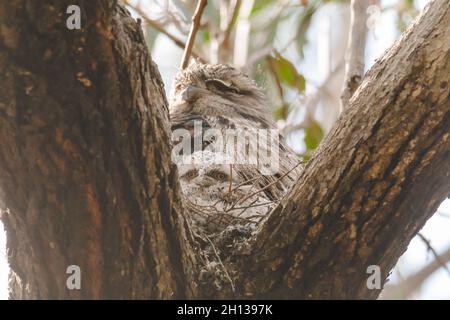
(377, 177)
(85, 167)
(86, 176)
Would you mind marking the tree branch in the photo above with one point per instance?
(433, 251)
(85, 157)
(155, 25)
(192, 32)
(242, 34)
(226, 32)
(379, 174)
(86, 174)
(354, 67)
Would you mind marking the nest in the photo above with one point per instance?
(223, 231)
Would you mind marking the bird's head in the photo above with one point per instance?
(219, 90)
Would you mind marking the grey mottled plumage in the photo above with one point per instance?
(221, 97)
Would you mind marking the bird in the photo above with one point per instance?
(217, 195)
(208, 105)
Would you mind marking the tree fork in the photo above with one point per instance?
(86, 176)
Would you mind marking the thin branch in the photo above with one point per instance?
(242, 34)
(313, 100)
(192, 32)
(158, 27)
(268, 203)
(270, 184)
(433, 251)
(408, 286)
(221, 263)
(171, 15)
(231, 21)
(220, 41)
(275, 76)
(354, 69)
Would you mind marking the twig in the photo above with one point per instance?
(231, 178)
(252, 180)
(260, 54)
(270, 184)
(165, 8)
(435, 254)
(354, 68)
(155, 25)
(275, 75)
(254, 205)
(231, 21)
(192, 32)
(313, 101)
(407, 286)
(245, 208)
(220, 261)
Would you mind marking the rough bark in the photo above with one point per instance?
(379, 174)
(85, 167)
(86, 176)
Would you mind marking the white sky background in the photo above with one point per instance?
(167, 56)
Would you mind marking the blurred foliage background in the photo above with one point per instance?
(294, 49)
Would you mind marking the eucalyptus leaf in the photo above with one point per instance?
(313, 135)
(287, 73)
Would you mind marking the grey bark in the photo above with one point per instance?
(379, 174)
(85, 167)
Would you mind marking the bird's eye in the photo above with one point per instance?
(190, 174)
(222, 86)
(218, 175)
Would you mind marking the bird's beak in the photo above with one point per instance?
(191, 92)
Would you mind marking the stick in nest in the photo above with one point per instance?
(220, 262)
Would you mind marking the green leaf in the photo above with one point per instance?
(287, 73)
(205, 36)
(410, 4)
(313, 135)
(281, 113)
